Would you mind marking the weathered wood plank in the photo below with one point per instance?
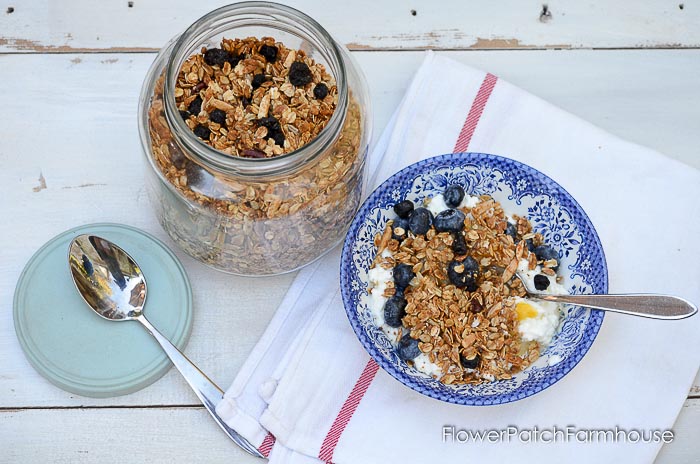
(168, 435)
(84, 25)
(685, 447)
(73, 124)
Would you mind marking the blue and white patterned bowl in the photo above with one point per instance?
(521, 190)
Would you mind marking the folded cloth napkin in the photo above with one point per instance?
(310, 393)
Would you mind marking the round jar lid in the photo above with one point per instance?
(81, 352)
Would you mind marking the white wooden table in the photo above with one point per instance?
(69, 154)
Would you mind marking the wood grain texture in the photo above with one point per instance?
(166, 435)
(83, 143)
(84, 25)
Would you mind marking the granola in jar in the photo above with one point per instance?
(256, 148)
(255, 98)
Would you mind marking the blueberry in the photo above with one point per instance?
(184, 115)
(258, 80)
(321, 91)
(272, 124)
(216, 57)
(470, 285)
(274, 130)
(545, 253)
(403, 209)
(408, 348)
(541, 282)
(195, 106)
(469, 363)
(459, 244)
(269, 52)
(530, 245)
(399, 229)
(233, 59)
(394, 310)
(245, 101)
(454, 194)
(450, 220)
(218, 116)
(403, 274)
(470, 265)
(299, 74)
(202, 132)
(278, 137)
(419, 221)
(511, 230)
(463, 274)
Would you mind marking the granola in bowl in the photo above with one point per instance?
(443, 285)
(429, 278)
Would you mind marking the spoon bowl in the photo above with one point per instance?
(107, 278)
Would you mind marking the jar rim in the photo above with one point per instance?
(218, 160)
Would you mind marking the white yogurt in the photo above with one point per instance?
(528, 276)
(542, 321)
(378, 278)
(423, 364)
(543, 316)
(469, 201)
(437, 204)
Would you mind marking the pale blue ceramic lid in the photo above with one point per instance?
(76, 349)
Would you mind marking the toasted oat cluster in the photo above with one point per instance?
(451, 301)
(255, 97)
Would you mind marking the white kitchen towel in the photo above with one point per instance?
(310, 393)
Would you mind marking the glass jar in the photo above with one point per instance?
(255, 216)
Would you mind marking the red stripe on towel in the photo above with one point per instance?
(363, 383)
(267, 444)
(482, 96)
(346, 412)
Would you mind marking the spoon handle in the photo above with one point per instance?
(653, 306)
(207, 391)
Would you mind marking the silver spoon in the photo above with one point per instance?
(112, 284)
(645, 305)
